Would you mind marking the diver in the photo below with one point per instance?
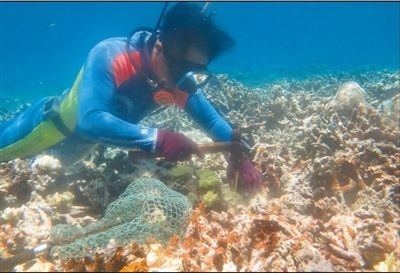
(125, 79)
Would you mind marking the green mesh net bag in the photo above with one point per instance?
(147, 208)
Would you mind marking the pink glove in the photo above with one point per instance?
(249, 179)
(175, 146)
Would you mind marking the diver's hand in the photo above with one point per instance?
(175, 146)
(249, 178)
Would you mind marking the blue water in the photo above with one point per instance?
(43, 45)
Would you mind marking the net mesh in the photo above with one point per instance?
(147, 208)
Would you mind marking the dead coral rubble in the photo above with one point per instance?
(330, 198)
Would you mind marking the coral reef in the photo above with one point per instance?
(328, 148)
(349, 96)
(390, 109)
(100, 178)
(46, 163)
(61, 201)
(391, 264)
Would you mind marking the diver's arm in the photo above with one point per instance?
(208, 118)
(94, 103)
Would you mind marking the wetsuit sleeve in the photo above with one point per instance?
(207, 117)
(95, 120)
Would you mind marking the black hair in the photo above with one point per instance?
(184, 25)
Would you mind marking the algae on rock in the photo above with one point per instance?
(210, 199)
(208, 180)
(182, 172)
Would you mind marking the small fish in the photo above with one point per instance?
(52, 25)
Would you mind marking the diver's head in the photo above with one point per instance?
(188, 41)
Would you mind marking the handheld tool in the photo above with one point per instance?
(236, 149)
(9, 263)
(205, 148)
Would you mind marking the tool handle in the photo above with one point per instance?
(205, 148)
(216, 147)
(8, 264)
(25, 255)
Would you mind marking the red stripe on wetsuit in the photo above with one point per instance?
(123, 68)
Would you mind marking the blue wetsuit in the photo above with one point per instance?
(113, 99)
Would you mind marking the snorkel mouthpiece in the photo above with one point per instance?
(163, 97)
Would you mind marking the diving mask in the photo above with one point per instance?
(193, 80)
(188, 76)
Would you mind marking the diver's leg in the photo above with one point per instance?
(19, 127)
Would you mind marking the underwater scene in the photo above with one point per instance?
(203, 136)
